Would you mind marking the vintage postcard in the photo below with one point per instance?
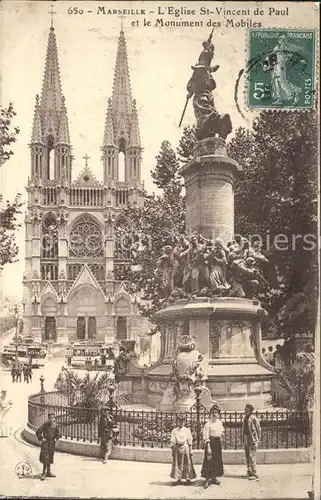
(159, 272)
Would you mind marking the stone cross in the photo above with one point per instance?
(52, 13)
(86, 158)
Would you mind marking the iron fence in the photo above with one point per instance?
(280, 429)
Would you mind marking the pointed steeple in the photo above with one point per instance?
(109, 138)
(51, 95)
(134, 127)
(63, 137)
(121, 96)
(36, 135)
(121, 134)
(50, 124)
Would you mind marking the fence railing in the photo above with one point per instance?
(280, 429)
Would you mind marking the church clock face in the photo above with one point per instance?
(86, 238)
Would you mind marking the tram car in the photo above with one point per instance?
(24, 353)
(91, 355)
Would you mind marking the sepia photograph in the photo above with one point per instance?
(159, 258)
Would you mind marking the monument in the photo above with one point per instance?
(210, 280)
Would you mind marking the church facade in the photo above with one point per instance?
(76, 252)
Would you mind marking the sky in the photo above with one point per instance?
(160, 60)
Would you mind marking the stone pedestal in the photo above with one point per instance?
(227, 331)
(209, 179)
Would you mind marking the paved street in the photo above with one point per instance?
(86, 477)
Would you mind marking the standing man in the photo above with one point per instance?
(18, 372)
(251, 431)
(48, 434)
(106, 425)
(14, 372)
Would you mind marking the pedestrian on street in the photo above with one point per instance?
(251, 431)
(48, 434)
(181, 445)
(25, 373)
(212, 467)
(18, 373)
(29, 373)
(14, 373)
(106, 426)
(5, 407)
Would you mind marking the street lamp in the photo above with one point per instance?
(198, 390)
(16, 315)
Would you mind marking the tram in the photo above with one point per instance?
(91, 355)
(24, 353)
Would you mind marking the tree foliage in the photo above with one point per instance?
(83, 392)
(8, 136)
(297, 382)
(275, 199)
(153, 225)
(9, 211)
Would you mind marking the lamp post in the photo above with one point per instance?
(198, 390)
(16, 315)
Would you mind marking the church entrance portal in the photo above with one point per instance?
(92, 328)
(86, 328)
(121, 328)
(50, 328)
(81, 328)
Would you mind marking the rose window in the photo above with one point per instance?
(86, 238)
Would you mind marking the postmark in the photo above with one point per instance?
(23, 469)
(281, 69)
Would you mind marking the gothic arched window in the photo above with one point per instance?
(50, 158)
(86, 239)
(49, 237)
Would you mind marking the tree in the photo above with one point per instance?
(275, 200)
(297, 383)
(155, 224)
(9, 211)
(83, 392)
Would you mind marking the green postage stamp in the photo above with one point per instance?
(281, 69)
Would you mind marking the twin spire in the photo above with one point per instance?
(121, 125)
(50, 114)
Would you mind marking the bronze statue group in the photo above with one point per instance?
(193, 266)
(212, 467)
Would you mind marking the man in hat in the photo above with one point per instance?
(251, 432)
(48, 434)
(106, 426)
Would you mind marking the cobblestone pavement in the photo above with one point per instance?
(86, 477)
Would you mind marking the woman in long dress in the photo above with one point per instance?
(212, 467)
(5, 407)
(181, 445)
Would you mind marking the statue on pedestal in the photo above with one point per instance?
(187, 371)
(209, 122)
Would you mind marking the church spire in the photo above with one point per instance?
(121, 134)
(121, 97)
(50, 124)
(51, 95)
